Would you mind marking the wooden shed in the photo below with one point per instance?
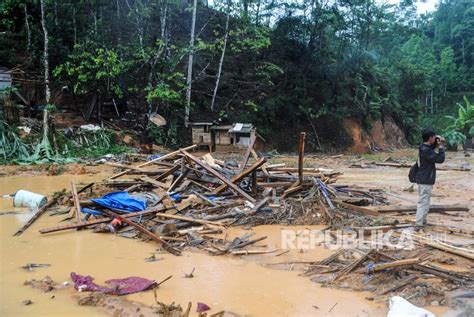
(202, 135)
(226, 137)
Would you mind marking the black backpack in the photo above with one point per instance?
(413, 171)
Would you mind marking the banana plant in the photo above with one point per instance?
(461, 127)
(465, 119)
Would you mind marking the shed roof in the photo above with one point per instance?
(222, 127)
(201, 123)
(241, 128)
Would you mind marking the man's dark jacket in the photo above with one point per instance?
(427, 170)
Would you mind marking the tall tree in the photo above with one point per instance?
(189, 80)
(46, 53)
(221, 61)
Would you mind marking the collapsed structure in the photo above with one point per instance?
(179, 200)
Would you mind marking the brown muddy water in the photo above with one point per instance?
(241, 285)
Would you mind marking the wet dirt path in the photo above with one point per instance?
(241, 285)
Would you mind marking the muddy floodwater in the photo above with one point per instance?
(244, 285)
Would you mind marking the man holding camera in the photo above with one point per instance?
(426, 175)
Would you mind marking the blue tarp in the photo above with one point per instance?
(90, 211)
(121, 201)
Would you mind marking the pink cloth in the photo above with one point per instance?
(122, 286)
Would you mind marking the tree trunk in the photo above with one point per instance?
(46, 55)
(190, 66)
(28, 30)
(163, 17)
(221, 62)
(432, 107)
(74, 25)
(119, 29)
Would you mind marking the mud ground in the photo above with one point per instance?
(243, 286)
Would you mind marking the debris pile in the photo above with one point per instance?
(181, 200)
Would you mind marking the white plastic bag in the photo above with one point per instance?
(400, 307)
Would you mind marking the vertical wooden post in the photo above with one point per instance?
(254, 183)
(75, 198)
(301, 157)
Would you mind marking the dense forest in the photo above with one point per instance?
(284, 65)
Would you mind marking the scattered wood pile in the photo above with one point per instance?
(190, 199)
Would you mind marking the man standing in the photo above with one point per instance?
(426, 175)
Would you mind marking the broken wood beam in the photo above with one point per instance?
(399, 285)
(168, 247)
(153, 182)
(42, 209)
(189, 219)
(433, 208)
(75, 198)
(98, 221)
(462, 252)
(249, 252)
(240, 175)
(161, 158)
(363, 210)
(219, 176)
(349, 268)
(398, 263)
(247, 154)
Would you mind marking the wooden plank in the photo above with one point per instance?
(161, 158)
(45, 207)
(399, 285)
(219, 176)
(148, 233)
(154, 182)
(247, 154)
(291, 190)
(75, 198)
(241, 175)
(97, 221)
(433, 208)
(168, 173)
(349, 268)
(465, 253)
(189, 219)
(360, 209)
(397, 263)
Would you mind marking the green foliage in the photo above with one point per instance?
(287, 63)
(454, 139)
(165, 135)
(11, 146)
(465, 119)
(91, 67)
(461, 126)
